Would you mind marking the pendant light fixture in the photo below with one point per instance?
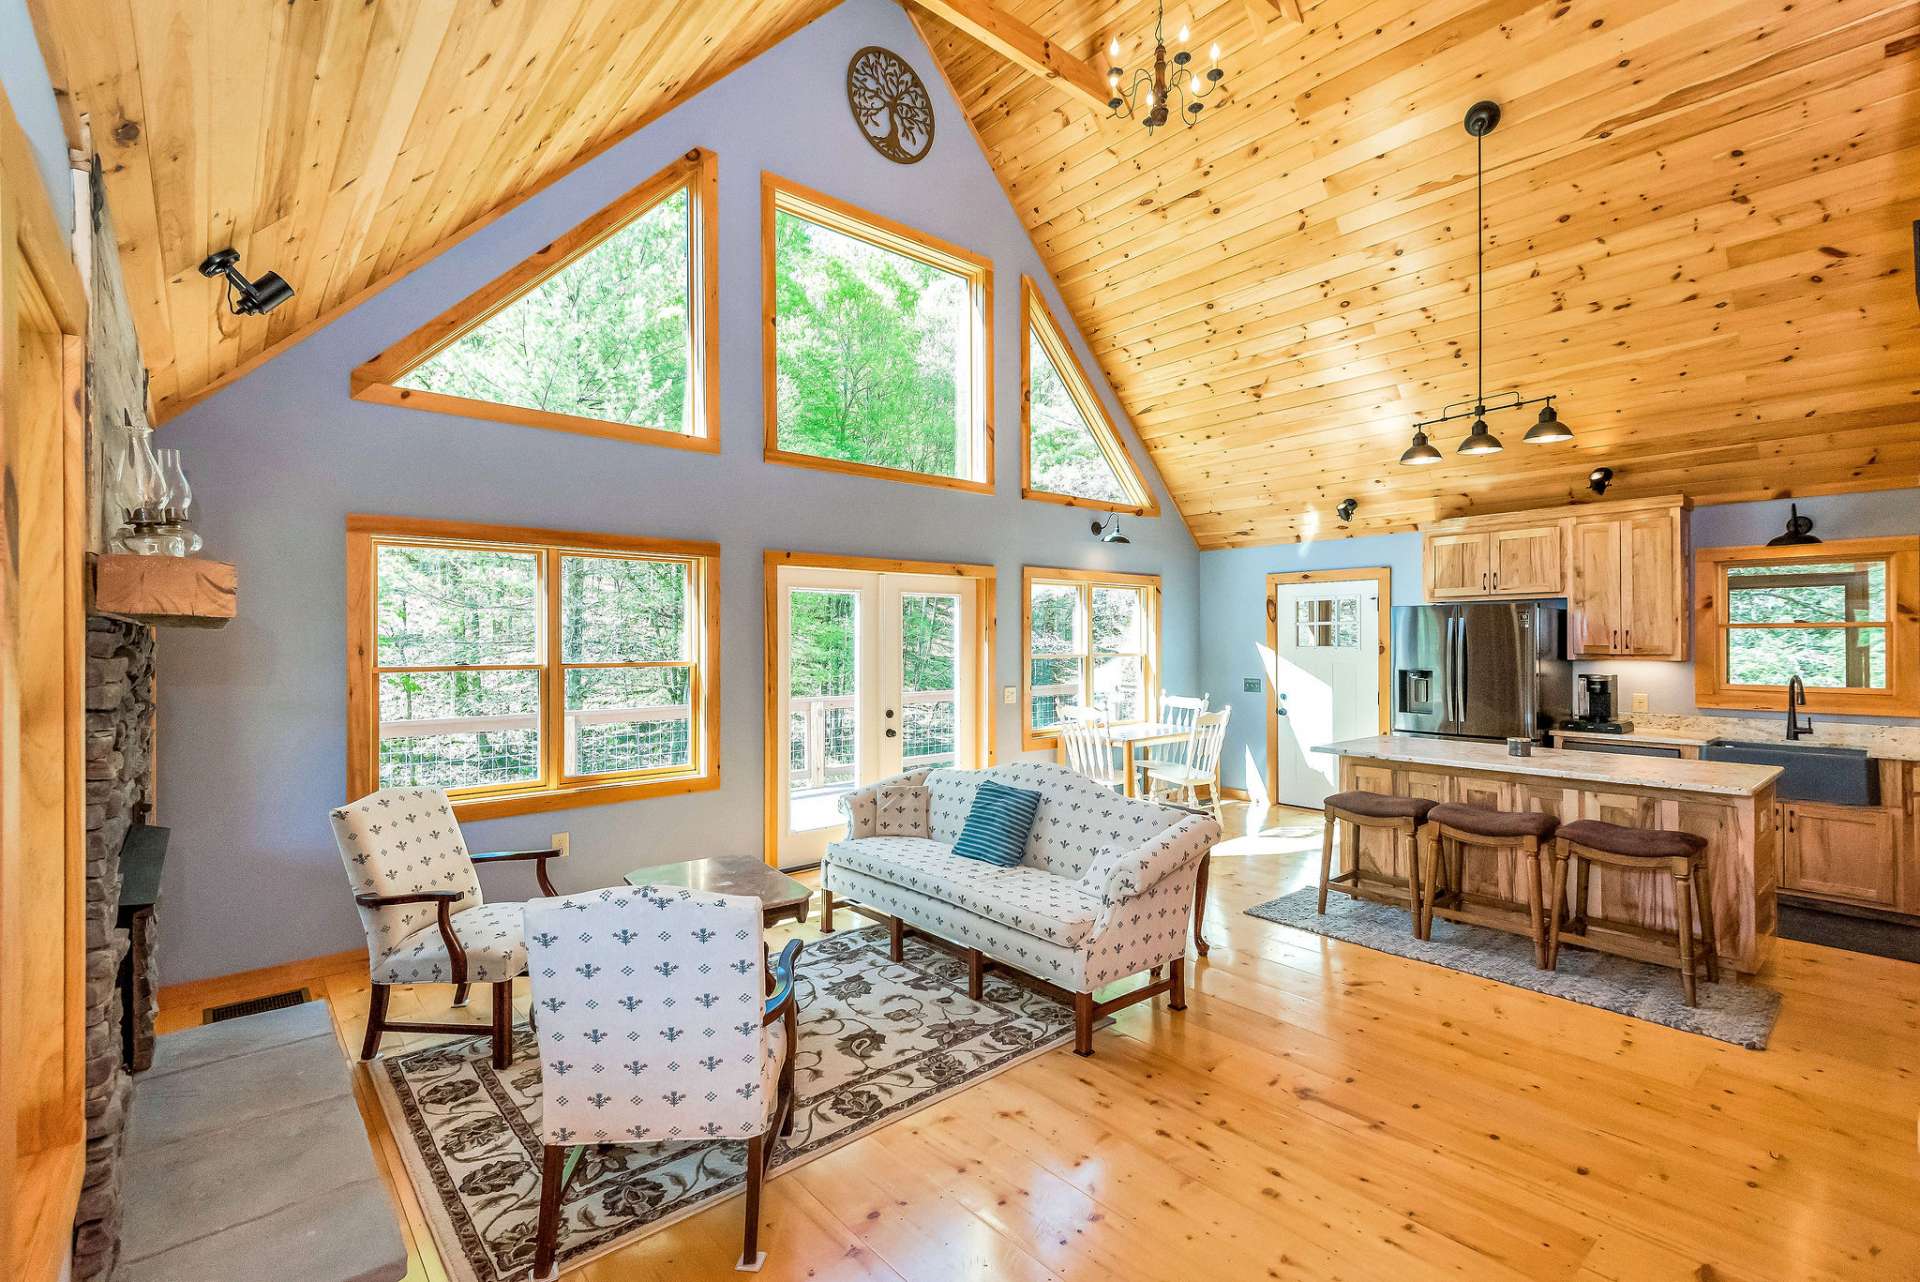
(1480, 121)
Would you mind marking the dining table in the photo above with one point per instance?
(1129, 739)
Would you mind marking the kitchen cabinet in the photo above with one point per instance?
(1844, 852)
(1521, 561)
(1627, 593)
(1458, 566)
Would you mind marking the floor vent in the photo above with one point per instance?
(255, 1005)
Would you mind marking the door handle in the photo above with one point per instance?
(892, 733)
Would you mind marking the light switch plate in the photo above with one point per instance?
(560, 841)
(1250, 684)
(1009, 695)
(1640, 702)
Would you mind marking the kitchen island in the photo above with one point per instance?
(1730, 804)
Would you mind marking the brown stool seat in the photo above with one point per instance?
(1482, 822)
(1639, 843)
(1376, 805)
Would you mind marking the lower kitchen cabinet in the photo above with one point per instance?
(1843, 852)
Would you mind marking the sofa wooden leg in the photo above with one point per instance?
(546, 1237)
(896, 936)
(1177, 979)
(1200, 905)
(503, 1025)
(1083, 1024)
(826, 910)
(376, 1021)
(976, 973)
(460, 993)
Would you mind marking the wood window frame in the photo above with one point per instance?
(775, 725)
(697, 172)
(1901, 698)
(1038, 320)
(1048, 737)
(778, 195)
(554, 790)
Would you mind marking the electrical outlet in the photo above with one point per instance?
(1640, 702)
(560, 841)
(1010, 695)
(1250, 685)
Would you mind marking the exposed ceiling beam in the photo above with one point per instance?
(1022, 45)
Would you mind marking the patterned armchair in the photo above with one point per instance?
(426, 920)
(659, 1021)
(1104, 890)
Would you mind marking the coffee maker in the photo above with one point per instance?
(1596, 699)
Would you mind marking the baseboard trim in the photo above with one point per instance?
(197, 994)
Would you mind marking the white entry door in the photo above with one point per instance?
(1326, 681)
(876, 672)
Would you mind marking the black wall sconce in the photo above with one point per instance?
(1108, 531)
(1599, 479)
(1799, 530)
(246, 297)
(1346, 509)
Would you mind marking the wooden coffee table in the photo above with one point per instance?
(781, 897)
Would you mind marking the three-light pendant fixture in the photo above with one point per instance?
(1481, 118)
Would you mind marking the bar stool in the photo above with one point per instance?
(1479, 828)
(1373, 810)
(1681, 855)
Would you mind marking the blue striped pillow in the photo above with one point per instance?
(997, 824)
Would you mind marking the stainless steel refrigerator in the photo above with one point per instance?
(1489, 670)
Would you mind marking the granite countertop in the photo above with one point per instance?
(1725, 778)
(1889, 742)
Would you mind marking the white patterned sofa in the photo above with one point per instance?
(1104, 891)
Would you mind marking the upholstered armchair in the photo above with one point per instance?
(426, 920)
(660, 1021)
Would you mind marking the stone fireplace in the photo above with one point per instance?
(119, 743)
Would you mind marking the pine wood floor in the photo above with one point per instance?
(1327, 1113)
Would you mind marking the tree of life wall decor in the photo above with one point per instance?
(890, 105)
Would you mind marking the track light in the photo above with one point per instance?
(246, 297)
(1599, 479)
(1108, 531)
(1347, 508)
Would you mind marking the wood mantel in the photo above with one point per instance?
(165, 591)
(1732, 809)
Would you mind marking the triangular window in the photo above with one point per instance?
(1073, 451)
(607, 331)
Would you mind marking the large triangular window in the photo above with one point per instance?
(1073, 451)
(610, 330)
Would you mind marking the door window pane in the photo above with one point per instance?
(822, 713)
(440, 607)
(459, 729)
(929, 652)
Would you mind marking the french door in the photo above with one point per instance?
(876, 673)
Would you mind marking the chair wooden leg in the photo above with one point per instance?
(1534, 912)
(503, 1025)
(1709, 933)
(546, 1239)
(896, 936)
(1177, 977)
(376, 1021)
(1558, 901)
(1200, 905)
(460, 993)
(756, 1176)
(1683, 916)
(976, 972)
(1414, 893)
(1083, 1024)
(1581, 872)
(1429, 875)
(1326, 860)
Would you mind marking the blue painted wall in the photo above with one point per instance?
(252, 717)
(23, 74)
(1233, 610)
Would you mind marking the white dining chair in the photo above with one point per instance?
(1201, 767)
(1090, 752)
(1178, 713)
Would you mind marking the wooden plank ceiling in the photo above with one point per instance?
(1698, 214)
(1698, 221)
(340, 143)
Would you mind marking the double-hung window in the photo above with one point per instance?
(1091, 639)
(1843, 616)
(529, 669)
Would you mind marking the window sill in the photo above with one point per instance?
(466, 407)
(1773, 699)
(1147, 509)
(500, 806)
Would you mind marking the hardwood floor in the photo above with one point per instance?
(1329, 1113)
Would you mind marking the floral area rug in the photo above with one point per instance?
(878, 1040)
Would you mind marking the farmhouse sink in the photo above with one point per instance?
(1838, 776)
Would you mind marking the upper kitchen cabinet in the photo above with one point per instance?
(1622, 567)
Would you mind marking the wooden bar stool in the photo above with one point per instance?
(1478, 828)
(1681, 855)
(1373, 810)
